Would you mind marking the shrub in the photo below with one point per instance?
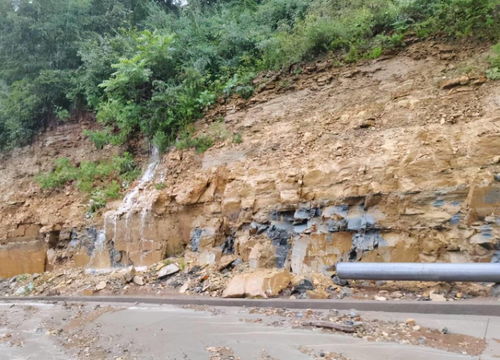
(100, 138)
(98, 179)
(457, 18)
(493, 73)
(237, 139)
(63, 173)
(151, 68)
(200, 143)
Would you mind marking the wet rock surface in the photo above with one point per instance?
(389, 160)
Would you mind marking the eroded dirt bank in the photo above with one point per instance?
(396, 159)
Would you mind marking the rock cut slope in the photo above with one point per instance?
(395, 159)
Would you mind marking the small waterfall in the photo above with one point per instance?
(131, 197)
(99, 258)
(132, 203)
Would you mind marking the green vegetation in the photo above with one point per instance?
(237, 139)
(200, 143)
(216, 132)
(160, 186)
(493, 72)
(152, 68)
(102, 180)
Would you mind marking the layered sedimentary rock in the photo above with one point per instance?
(27, 257)
(375, 162)
(381, 164)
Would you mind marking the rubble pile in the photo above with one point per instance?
(228, 278)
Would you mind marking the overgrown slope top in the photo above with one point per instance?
(153, 67)
(419, 120)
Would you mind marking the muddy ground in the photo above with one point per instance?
(121, 331)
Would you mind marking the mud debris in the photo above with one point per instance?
(373, 330)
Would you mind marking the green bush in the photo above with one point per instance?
(151, 68)
(237, 139)
(493, 73)
(63, 173)
(99, 179)
(200, 143)
(100, 138)
(477, 19)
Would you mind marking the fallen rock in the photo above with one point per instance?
(410, 322)
(437, 297)
(138, 280)
(101, 285)
(184, 287)
(317, 294)
(495, 290)
(129, 275)
(262, 283)
(331, 325)
(226, 261)
(302, 287)
(339, 281)
(167, 271)
(209, 256)
(460, 81)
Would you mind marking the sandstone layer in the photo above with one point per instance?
(389, 160)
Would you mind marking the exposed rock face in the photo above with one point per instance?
(22, 258)
(380, 163)
(310, 186)
(33, 221)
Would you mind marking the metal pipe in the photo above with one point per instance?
(471, 272)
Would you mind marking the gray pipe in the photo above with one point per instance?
(479, 272)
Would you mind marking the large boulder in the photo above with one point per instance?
(261, 283)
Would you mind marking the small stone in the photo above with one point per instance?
(437, 297)
(397, 294)
(129, 275)
(490, 219)
(303, 287)
(138, 280)
(353, 314)
(445, 330)
(380, 298)
(101, 285)
(167, 270)
(184, 288)
(339, 281)
(495, 290)
(411, 322)
(416, 328)
(317, 294)
(460, 81)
